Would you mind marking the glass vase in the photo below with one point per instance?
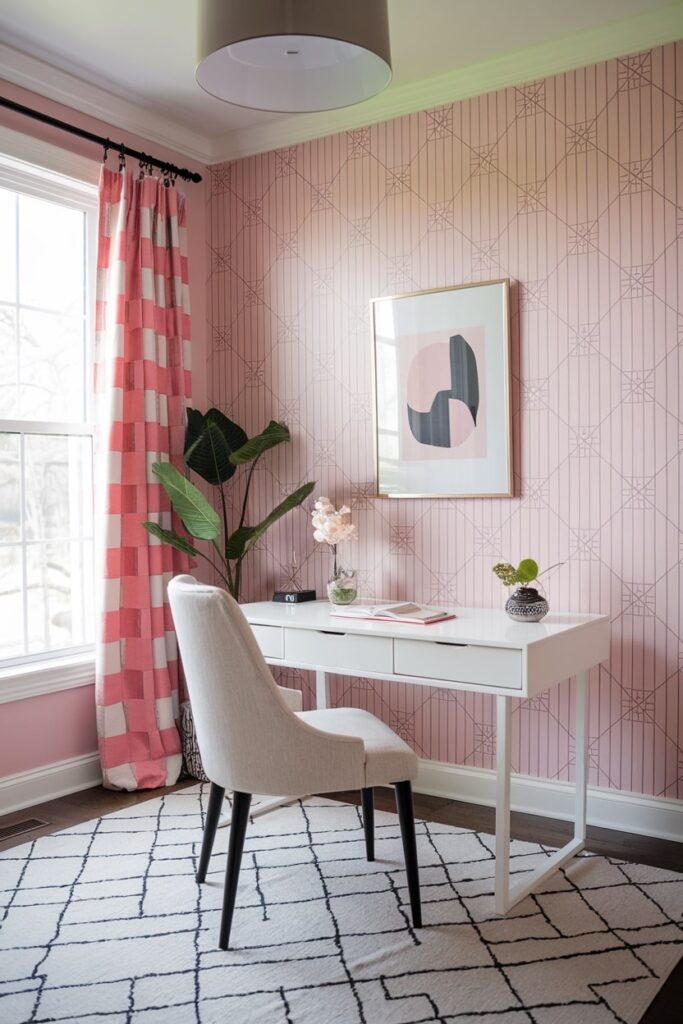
(342, 585)
(343, 588)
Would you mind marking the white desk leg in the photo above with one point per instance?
(271, 804)
(507, 896)
(503, 733)
(322, 690)
(581, 756)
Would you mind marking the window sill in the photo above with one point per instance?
(20, 682)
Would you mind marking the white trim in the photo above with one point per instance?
(35, 678)
(62, 87)
(29, 150)
(73, 429)
(591, 46)
(607, 808)
(43, 176)
(26, 789)
(626, 812)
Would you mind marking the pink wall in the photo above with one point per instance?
(53, 727)
(569, 187)
(42, 730)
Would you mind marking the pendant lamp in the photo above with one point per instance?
(293, 56)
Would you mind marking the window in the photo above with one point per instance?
(47, 261)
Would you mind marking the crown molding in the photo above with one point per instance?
(628, 35)
(46, 80)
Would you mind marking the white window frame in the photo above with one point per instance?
(49, 172)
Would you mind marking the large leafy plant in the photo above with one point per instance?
(214, 449)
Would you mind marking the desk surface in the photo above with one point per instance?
(490, 627)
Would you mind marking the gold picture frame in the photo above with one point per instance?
(442, 392)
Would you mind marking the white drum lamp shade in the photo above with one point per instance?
(293, 56)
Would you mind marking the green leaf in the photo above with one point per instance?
(171, 537)
(506, 573)
(199, 518)
(527, 570)
(274, 434)
(246, 536)
(237, 541)
(209, 442)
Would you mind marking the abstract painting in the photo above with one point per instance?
(442, 392)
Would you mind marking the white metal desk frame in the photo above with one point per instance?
(506, 896)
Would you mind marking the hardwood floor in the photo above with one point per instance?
(666, 1008)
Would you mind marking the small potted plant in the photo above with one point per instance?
(524, 604)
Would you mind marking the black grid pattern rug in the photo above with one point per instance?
(105, 923)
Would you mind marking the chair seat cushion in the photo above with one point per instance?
(388, 759)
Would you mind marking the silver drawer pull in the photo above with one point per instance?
(449, 643)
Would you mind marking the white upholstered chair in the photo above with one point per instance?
(253, 737)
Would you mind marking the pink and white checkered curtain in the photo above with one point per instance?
(142, 380)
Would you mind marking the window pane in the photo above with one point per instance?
(51, 272)
(58, 486)
(52, 354)
(8, 246)
(11, 604)
(8, 363)
(59, 595)
(10, 477)
(48, 568)
(46, 546)
(82, 603)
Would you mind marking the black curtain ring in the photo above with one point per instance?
(105, 152)
(122, 157)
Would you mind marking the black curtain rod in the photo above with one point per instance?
(118, 147)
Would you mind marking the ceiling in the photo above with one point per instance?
(134, 62)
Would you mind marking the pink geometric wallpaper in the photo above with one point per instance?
(571, 188)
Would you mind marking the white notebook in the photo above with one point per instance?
(398, 611)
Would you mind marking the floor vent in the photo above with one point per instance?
(19, 827)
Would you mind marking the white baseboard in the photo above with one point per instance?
(25, 789)
(626, 812)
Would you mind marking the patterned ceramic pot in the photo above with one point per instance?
(526, 605)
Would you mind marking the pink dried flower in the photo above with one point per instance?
(329, 525)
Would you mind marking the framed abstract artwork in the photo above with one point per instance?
(442, 393)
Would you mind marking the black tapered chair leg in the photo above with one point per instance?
(238, 828)
(213, 813)
(368, 802)
(404, 806)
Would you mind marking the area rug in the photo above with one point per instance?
(105, 923)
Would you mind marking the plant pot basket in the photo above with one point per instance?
(192, 760)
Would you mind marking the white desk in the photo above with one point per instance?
(481, 650)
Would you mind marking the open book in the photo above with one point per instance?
(403, 611)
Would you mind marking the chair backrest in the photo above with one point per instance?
(248, 738)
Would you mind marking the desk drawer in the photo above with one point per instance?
(271, 640)
(337, 651)
(484, 666)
